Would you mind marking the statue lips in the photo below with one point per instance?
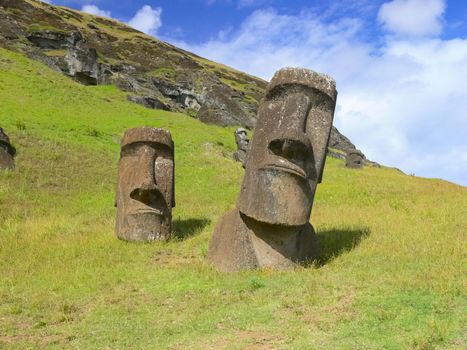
(146, 211)
(288, 167)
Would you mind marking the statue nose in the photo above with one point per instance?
(146, 172)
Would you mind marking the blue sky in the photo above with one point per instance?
(400, 65)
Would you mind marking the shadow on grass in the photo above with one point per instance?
(183, 229)
(332, 243)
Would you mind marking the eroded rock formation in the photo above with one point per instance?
(145, 192)
(270, 226)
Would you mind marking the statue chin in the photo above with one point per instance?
(144, 227)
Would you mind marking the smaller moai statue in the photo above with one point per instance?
(242, 141)
(146, 185)
(270, 226)
(354, 159)
(7, 152)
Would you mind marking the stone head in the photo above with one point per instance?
(145, 193)
(241, 138)
(288, 148)
(241, 132)
(354, 159)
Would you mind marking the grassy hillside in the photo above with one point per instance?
(391, 273)
(138, 63)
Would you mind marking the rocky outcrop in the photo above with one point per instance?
(94, 50)
(69, 53)
(82, 64)
(53, 40)
(148, 102)
(339, 141)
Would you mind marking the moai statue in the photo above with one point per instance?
(145, 193)
(242, 141)
(7, 152)
(354, 159)
(270, 227)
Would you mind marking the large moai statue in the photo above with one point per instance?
(7, 152)
(145, 193)
(270, 226)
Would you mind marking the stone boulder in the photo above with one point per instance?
(7, 152)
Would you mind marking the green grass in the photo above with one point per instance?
(234, 84)
(44, 27)
(163, 72)
(391, 271)
(56, 53)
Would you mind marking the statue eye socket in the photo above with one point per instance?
(130, 150)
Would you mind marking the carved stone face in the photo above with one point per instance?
(241, 139)
(145, 194)
(288, 149)
(354, 159)
(7, 152)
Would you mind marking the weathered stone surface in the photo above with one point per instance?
(354, 159)
(270, 227)
(79, 61)
(149, 102)
(54, 40)
(82, 64)
(145, 192)
(288, 149)
(225, 106)
(9, 28)
(242, 141)
(7, 152)
(240, 242)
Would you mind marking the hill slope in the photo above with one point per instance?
(390, 275)
(97, 50)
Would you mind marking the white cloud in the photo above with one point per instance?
(94, 10)
(402, 101)
(412, 17)
(147, 20)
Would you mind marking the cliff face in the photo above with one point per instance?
(96, 50)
